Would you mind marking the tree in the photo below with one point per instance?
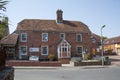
(2, 4)
(104, 38)
(3, 19)
(4, 28)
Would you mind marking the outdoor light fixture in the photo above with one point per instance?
(102, 45)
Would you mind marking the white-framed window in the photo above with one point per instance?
(79, 37)
(64, 49)
(23, 50)
(62, 35)
(44, 50)
(79, 49)
(23, 37)
(44, 37)
(93, 40)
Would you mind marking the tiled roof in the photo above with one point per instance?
(10, 39)
(112, 40)
(52, 25)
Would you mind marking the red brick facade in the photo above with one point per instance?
(96, 44)
(62, 38)
(34, 39)
(34, 63)
(76, 38)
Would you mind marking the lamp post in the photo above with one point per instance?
(102, 45)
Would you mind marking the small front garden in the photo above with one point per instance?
(89, 60)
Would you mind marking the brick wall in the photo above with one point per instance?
(89, 63)
(34, 63)
(65, 60)
(34, 40)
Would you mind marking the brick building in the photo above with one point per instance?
(112, 45)
(62, 38)
(95, 44)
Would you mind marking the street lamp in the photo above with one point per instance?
(102, 45)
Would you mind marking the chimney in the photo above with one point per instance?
(59, 16)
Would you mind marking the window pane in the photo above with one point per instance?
(23, 49)
(79, 38)
(44, 37)
(44, 50)
(64, 49)
(79, 49)
(62, 36)
(93, 40)
(23, 37)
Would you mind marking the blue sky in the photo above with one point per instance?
(94, 13)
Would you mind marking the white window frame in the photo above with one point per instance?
(65, 49)
(42, 50)
(44, 40)
(63, 36)
(21, 37)
(21, 53)
(80, 37)
(93, 40)
(77, 49)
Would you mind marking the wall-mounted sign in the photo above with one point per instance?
(34, 49)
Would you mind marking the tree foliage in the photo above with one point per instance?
(3, 20)
(104, 38)
(3, 28)
(2, 4)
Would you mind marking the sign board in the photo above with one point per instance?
(34, 49)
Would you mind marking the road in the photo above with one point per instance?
(72, 73)
(107, 73)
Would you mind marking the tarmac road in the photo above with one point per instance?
(67, 73)
(111, 72)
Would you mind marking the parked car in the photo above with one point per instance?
(34, 58)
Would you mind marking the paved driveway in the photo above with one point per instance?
(115, 60)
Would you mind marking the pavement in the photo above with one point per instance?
(115, 62)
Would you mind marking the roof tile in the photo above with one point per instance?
(10, 39)
(52, 25)
(112, 40)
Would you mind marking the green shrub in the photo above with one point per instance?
(76, 59)
(88, 56)
(51, 57)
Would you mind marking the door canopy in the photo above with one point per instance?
(64, 49)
